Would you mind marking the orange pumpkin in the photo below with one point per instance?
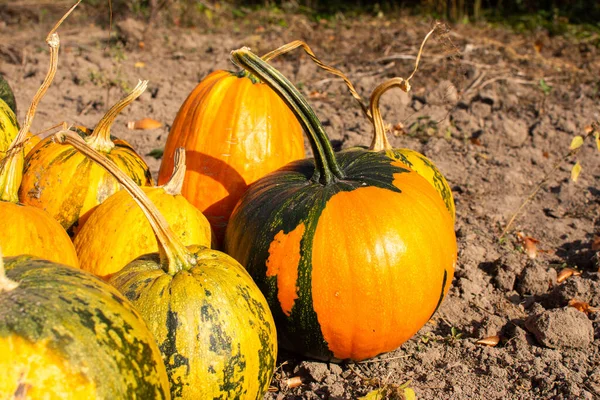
(235, 130)
(117, 232)
(26, 229)
(67, 184)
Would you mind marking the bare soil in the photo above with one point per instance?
(494, 143)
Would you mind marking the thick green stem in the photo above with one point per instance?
(327, 169)
(173, 253)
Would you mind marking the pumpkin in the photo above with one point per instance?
(213, 326)
(117, 232)
(353, 250)
(229, 126)
(8, 127)
(413, 159)
(6, 95)
(66, 334)
(26, 229)
(69, 186)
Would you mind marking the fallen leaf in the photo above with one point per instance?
(491, 341)
(575, 171)
(538, 45)
(141, 45)
(293, 382)
(597, 135)
(139, 64)
(529, 244)
(582, 306)
(576, 143)
(317, 95)
(566, 273)
(545, 154)
(144, 124)
(377, 394)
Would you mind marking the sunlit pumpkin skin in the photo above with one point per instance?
(69, 186)
(9, 127)
(66, 334)
(212, 324)
(231, 126)
(7, 95)
(354, 255)
(427, 169)
(117, 232)
(29, 230)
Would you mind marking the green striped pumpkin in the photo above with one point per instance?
(9, 127)
(66, 334)
(68, 185)
(353, 250)
(212, 324)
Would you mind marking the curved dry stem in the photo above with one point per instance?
(6, 284)
(100, 138)
(173, 187)
(286, 48)
(418, 59)
(380, 141)
(60, 21)
(173, 253)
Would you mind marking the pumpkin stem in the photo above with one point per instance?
(174, 255)
(380, 140)
(6, 284)
(327, 169)
(11, 166)
(173, 187)
(286, 48)
(100, 138)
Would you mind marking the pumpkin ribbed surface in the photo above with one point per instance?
(29, 230)
(212, 325)
(231, 128)
(427, 169)
(117, 232)
(68, 186)
(66, 334)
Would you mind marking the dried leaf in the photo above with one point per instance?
(529, 244)
(576, 143)
(141, 45)
(409, 394)
(582, 306)
(566, 273)
(575, 171)
(546, 154)
(597, 136)
(293, 382)
(491, 341)
(139, 64)
(144, 124)
(538, 45)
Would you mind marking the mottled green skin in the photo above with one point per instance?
(87, 322)
(281, 201)
(213, 326)
(7, 94)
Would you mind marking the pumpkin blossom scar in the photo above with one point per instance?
(284, 257)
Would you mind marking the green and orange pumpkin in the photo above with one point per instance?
(66, 334)
(117, 232)
(69, 186)
(354, 251)
(230, 126)
(212, 324)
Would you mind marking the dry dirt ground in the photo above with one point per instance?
(494, 143)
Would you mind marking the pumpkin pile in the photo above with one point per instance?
(342, 256)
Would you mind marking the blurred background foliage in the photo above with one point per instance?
(556, 16)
